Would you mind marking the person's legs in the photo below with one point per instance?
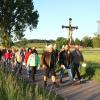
(46, 73)
(61, 74)
(69, 72)
(27, 68)
(74, 71)
(20, 68)
(53, 76)
(17, 68)
(33, 72)
(12, 65)
(76, 66)
(78, 73)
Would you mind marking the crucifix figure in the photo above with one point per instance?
(71, 29)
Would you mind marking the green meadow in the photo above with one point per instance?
(92, 59)
(92, 55)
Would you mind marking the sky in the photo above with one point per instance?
(55, 13)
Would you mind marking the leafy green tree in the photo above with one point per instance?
(96, 41)
(15, 17)
(60, 41)
(87, 41)
(77, 41)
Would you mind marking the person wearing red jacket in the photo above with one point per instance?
(27, 55)
(7, 57)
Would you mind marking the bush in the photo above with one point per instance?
(92, 71)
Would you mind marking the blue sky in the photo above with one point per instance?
(55, 13)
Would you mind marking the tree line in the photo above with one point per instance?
(86, 41)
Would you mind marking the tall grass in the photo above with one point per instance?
(12, 88)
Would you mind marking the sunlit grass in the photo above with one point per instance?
(93, 57)
(12, 88)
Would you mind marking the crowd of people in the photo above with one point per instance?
(15, 59)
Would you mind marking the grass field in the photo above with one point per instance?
(92, 58)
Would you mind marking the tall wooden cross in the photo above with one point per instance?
(71, 29)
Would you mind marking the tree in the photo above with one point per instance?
(87, 41)
(15, 17)
(60, 41)
(96, 41)
(77, 41)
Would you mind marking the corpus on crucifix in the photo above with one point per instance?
(71, 29)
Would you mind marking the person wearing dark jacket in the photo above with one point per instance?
(61, 69)
(77, 57)
(48, 62)
(65, 60)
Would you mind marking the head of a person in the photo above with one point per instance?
(33, 48)
(50, 48)
(29, 50)
(7, 50)
(67, 47)
(76, 47)
(18, 51)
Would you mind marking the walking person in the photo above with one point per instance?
(13, 59)
(66, 60)
(18, 59)
(61, 69)
(22, 53)
(7, 57)
(32, 64)
(27, 54)
(77, 57)
(48, 61)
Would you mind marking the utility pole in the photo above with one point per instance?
(98, 30)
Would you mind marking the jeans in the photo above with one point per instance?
(68, 67)
(61, 73)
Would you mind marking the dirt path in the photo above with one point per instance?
(88, 90)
